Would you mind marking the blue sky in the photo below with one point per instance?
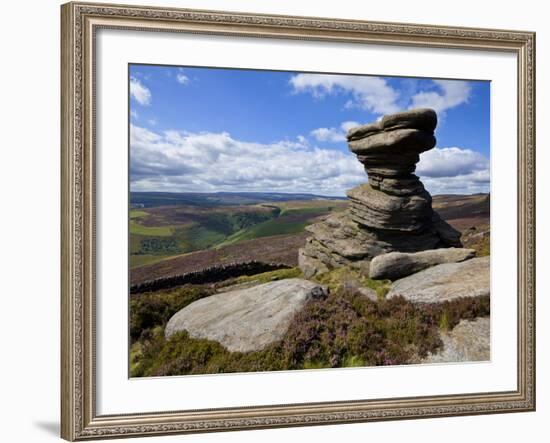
(206, 130)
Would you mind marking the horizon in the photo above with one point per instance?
(271, 192)
(207, 130)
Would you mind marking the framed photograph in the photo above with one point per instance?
(283, 221)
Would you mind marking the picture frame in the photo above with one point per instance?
(80, 243)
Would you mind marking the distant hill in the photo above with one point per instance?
(155, 199)
(462, 206)
(170, 237)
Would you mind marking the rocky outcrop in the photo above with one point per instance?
(393, 211)
(444, 282)
(246, 319)
(395, 265)
(470, 340)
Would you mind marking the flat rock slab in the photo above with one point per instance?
(394, 265)
(422, 118)
(470, 340)
(246, 319)
(444, 282)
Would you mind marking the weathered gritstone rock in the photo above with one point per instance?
(378, 210)
(246, 319)
(393, 212)
(470, 340)
(394, 265)
(448, 281)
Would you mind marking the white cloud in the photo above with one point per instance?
(328, 135)
(454, 171)
(182, 78)
(333, 134)
(376, 95)
(301, 139)
(139, 92)
(207, 162)
(451, 93)
(370, 93)
(450, 162)
(346, 126)
(134, 114)
(473, 183)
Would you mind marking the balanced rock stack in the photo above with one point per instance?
(393, 211)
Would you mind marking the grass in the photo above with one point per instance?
(314, 210)
(266, 277)
(279, 226)
(134, 213)
(340, 277)
(135, 356)
(160, 232)
(353, 361)
(280, 249)
(321, 204)
(382, 287)
(345, 329)
(483, 247)
(290, 221)
(155, 231)
(201, 237)
(154, 309)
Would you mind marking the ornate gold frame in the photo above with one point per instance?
(79, 420)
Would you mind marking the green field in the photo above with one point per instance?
(157, 233)
(154, 231)
(135, 213)
(290, 221)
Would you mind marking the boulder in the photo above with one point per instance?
(394, 265)
(424, 119)
(309, 265)
(340, 235)
(448, 235)
(360, 132)
(470, 340)
(389, 142)
(246, 319)
(447, 281)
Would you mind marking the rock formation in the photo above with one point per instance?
(470, 340)
(249, 319)
(448, 281)
(394, 265)
(393, 211)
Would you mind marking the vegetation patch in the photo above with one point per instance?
(266, 277)
(154, 309)
(290, 221)
(345, 329)
(139, 229)
(135, 213)
(145, 259)
(280, 249)
(344, 276)
(481, 243)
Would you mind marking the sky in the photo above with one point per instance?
(209, 130)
